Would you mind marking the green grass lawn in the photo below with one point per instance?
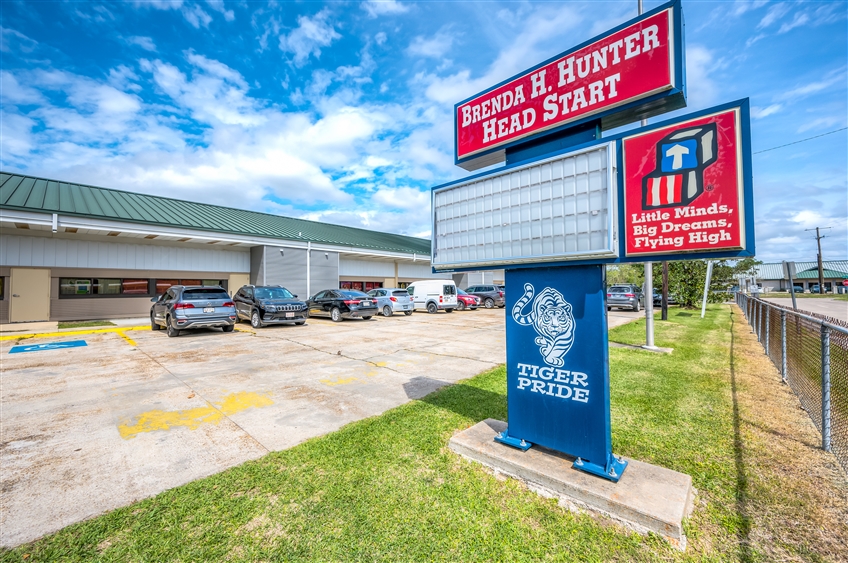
(388, 489)
(85, 324)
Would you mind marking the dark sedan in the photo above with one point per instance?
(339, 304)
(183, 307)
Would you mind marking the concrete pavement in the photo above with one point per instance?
(90, 429)
(823, 306)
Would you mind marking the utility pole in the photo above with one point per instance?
(821, 269)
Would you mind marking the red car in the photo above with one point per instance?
(465, 301)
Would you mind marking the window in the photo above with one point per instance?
(204, 293)
(163, 285)
(106, 286)
(135, 287)
(73, 286)
(2, 288)
(449, 289)
(191, 282)
(273, 293)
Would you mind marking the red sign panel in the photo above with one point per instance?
(630, 64)
(683, 187)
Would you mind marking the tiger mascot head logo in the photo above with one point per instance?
(552, 318)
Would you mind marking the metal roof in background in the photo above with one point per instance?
(29, 193)
(774, 271)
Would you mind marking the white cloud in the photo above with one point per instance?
(13, 92)
(377, 8)
(145, 43)
(196, 16)
(773, 14)
(760, 113)
(435, 46)
(702, 89)
(309, 37)
(833, 78)
(380, 38)
(218, 6)
(799, 20)
(11, 40)
(159, 4)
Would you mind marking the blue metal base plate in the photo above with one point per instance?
(505, 438)
(614, 468)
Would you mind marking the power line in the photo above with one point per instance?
(802, 140)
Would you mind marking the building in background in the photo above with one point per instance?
(772, 278)
(73, 252)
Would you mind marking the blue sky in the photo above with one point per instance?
(342, 112)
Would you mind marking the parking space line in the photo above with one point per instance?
(338, 381)
(118, 330)
(212, 413)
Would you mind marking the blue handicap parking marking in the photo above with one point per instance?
(50, 346)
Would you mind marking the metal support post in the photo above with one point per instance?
(706, 288)
(649, 307)
(825, 360)
(766, 344)
(759, 326)
(783, 345)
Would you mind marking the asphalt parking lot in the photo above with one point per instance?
(89, 429)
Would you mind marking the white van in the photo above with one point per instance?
(433, 295)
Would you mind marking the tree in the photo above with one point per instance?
(626, 273)
(686, 281)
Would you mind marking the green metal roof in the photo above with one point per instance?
(28, 193)
(774, 270)
(813, 274)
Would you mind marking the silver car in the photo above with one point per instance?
(392, 300)
(190, 306)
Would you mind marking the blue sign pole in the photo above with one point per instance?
(558, 365)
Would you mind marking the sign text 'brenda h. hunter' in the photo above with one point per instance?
(683, 187)
(627, 65)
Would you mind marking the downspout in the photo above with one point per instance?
(308, 268)
(264, 266)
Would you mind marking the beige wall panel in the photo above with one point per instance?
(29, 295)
(236, 281)
(99, 308)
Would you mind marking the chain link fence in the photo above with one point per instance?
(811, 353)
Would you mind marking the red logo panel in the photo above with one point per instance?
(630, 64)
(683, 187)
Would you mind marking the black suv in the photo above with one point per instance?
(269, 304)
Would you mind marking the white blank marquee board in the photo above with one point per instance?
(557, 209)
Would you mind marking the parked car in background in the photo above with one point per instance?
(465, 301)
(339, 304)
(798, 288)
(624, 296)
(816, 289)
(184, 307)
(433, 295)
(391, 300)
(490, 295)
(264, 305)
(672, 300)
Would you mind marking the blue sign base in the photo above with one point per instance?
(558, 365)
(504, 438)
(613, 469)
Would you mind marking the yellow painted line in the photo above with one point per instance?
(192, 418)
(123, 335)
(72, 332)
(338, 381)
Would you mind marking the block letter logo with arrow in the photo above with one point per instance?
(682, 157)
